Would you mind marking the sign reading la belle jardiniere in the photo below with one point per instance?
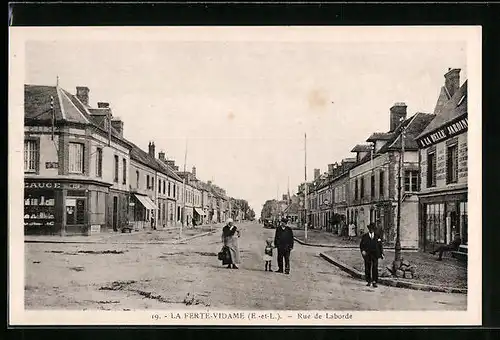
(447, 131)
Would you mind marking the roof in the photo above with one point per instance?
(165, 169)
(67, 108)
(380, 136)
(455, 107)
(361, 148)
(413, 129)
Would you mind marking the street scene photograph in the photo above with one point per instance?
(251, 170)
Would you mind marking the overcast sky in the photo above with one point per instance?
(244, 107)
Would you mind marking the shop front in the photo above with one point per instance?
(199, 215)
(442, 217)
(143, 211)
(58, 207)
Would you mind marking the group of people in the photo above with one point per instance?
(283, 241)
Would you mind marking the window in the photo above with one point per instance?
(362, 187)
(164, 186)
(124, 171)
(452, 164)
(463, 222)
(356, 189)
(431, 169)
(31, 155)
(98, 162)
(381, 184)
(175, 186)
(76, 158)
(159, 186)
(152, 183)
(116, 169)
(137, 178)
(169, 189)
(411, 181)
(372, 186)
(147, 181)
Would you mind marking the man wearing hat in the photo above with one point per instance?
(283, 240)
(371, 250)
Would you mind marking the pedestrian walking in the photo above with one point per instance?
(371, 250)
(453, 246)
(268, 254)
(230, 235)
(283, 240)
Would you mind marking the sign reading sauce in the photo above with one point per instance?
(52, 185)
(445, 132)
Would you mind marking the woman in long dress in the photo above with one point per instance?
(230, 235)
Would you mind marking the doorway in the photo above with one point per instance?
(115, 213)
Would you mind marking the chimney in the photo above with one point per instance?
(161, 156)
(102, 105)
(452, 80)
(209, 182)
(170, 163)
(194, 171)
(398, 112)
(117, 124)
(151, 147)
(176, 168)
(82, 93)
(316, 174)
(331, 167)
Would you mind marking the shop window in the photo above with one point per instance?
(31, 155)
(75, 211)
(381, 184)
(411, 181)
(435, 223)
(431, 169)
(39, 210)
(76, 157)
(124, 171)
(452, 164)
(98, 162)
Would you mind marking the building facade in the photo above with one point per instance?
(443, 208)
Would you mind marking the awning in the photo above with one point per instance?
(146, 202)
(199, 211)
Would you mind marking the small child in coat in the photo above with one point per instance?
(268, 254)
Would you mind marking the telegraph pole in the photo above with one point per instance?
(397, 248)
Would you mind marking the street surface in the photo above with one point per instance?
(166, 276)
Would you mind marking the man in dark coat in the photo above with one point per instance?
(371, 250)
(283, 240)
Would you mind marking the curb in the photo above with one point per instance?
(324, 245)
(192, 237)
(393, 282)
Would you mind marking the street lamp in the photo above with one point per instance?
(397, 249)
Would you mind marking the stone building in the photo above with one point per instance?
(373, 180)
(76, 164)
(442, 145)
(167, 194)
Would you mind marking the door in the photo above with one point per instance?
(115, 213)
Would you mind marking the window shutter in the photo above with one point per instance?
(455, 162)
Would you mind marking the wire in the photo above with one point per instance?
(39, 114)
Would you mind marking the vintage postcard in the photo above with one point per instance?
(245, 175)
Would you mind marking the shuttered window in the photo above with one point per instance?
(452, 164)
(31, 155)
(76, 157)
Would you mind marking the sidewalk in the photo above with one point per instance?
(322, 238)
(448, 275)
(161, 236)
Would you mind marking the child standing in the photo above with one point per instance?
(268, 254)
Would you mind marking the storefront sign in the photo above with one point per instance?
(447, 131)
(42, 185)
(51, 165)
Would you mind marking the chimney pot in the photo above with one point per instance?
(151, 150)
(194, 171)
(161, 156)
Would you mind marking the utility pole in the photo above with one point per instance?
(306, 187)
(397, 248)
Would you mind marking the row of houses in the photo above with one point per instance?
(83, 176)
(428, 151)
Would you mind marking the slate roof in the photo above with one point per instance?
(379, 136)
(165, 169)
(361, 148)
(450, 111)
(413, 129)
